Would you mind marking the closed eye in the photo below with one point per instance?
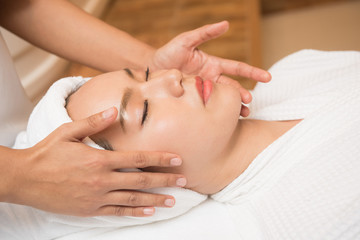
(145, 112)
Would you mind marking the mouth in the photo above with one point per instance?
(204, 88)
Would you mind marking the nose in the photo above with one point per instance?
(167, 82)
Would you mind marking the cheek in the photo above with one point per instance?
(169, 134)
(195, 134)
(190, 136)
(172, 132)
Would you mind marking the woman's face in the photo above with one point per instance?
(163, 111)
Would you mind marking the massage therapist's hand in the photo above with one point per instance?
(63, 175)
(182, 53)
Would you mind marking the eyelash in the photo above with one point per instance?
(146, 104)
(145, 112)
(147, 74)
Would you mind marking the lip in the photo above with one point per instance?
(204, 88)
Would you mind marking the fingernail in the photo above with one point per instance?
(148, 211)
(181, 182)
(247, 98)
(267, 76)
(175, 161)
(108, 113)
(169, 202)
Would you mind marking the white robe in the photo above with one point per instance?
(305, 185)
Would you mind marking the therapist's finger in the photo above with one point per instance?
(194, 38)
(142, 159)
(245, 111)
(236, 68)
(121, 211)
(138, 199)
(144, 180)
(90, 125)
(244, 93)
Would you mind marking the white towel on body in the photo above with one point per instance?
(29, 223)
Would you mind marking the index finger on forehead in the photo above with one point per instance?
(142, 159)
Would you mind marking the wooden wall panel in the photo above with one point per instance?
(272, 6)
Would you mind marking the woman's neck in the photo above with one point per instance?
(250, 138)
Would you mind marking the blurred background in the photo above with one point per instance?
(261, 31)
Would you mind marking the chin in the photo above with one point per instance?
(230, 102)
(231, 109)
(225, 112)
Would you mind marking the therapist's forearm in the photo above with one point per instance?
(64, 29)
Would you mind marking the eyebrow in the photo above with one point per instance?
(124, 102)
(129, 73)
(104, 144)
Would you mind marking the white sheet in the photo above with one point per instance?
(209, 220)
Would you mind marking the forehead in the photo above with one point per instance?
(109, 83)
(118, 78)
(99, 93)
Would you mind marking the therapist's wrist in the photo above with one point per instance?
(8, 167)
(150, 60)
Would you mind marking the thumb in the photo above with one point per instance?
(205, 33)
(93, 124)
